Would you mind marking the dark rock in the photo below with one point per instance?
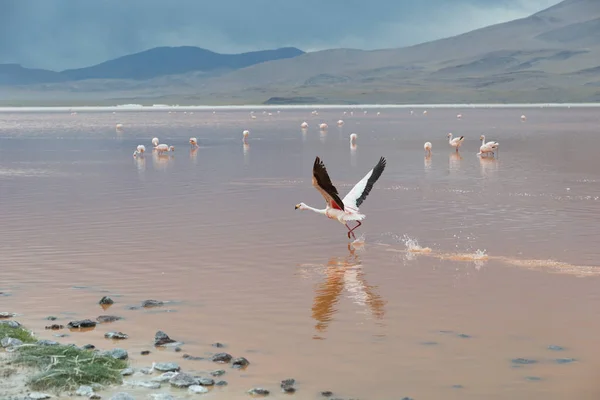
(288, 382)
(555, 348)
(132, 307)
(104, 319)
(145, 352)
(205, 381)
(219, 372)
(457, 386)
(221, 358)
(182, 380)
(219, 345)
(152, 303)
(258, 392)
(47, 343)
(116, 335)
(523, 361)
(327, 393)
(464, 336)
(407, 398)
(54, 327)
(85, 323)
(240, 363)
(161, 338)
(10, 342)
(564, 360)
(221, 383)
(11, 324)
(88, 347)
(177, 349)
(51, 318)
(127, 372)
(106, 301)
(5, 315)
(119, 354)
(62, 335)
(192, 358)
(166, 367)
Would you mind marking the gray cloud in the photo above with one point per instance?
(61, 34)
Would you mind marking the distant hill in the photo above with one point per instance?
(550, 56)
(153, 63)
(161, 61)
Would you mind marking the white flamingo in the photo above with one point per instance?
(523, 118)
(155, 141)
(459, 116)
(323, 126)
(119, 127)
(304, 125)
(345, 210)
(161, 148)
(490, 143)
(353, 137)
(427, 147)
(245, 135)
(488, 148)
(456, 142)
(340, 122)
(194, 142)
(139, 150)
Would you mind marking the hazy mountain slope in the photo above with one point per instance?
(14, 74)
(162, 61)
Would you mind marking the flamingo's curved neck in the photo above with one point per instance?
(450, 138)
(323, 211)
(482, 138)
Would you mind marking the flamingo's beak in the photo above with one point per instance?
(296, 207)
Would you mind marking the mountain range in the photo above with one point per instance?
(550, 56)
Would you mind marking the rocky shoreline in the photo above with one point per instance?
(111, 376)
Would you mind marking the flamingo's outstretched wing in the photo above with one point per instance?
(361, 190)
(322, 182)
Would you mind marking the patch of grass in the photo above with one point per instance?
(16, 333)
(67, 367)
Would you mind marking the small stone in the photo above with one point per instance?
(240, 363)
(105, 319)
(84, 323)
(221, 358)
(10, 342)
(288, 382)
(116, 335)
(177, 349)
(218, 372)
(11, 324)
(219, 345)
(122, 396)
(258, 392)
(127, 372)
(164, 377)
(533, 378)
(429, 343)
(182, 380)
(117, 353)
(88, 347)
(94, 396)
(161, 396)
(38, 396)
(205, 381)
(221, 383)
(564, 360)
(146, 370)
(55, 327)
(457, 386)
(327, 393)
(144, 384)
(555, 348)
(166, 367)
(161, 338)
(197, 389)
(288, 389)
(464, 336)
(152, 303)
(47, 343)
(145, 352)
(51, 318)
(407, 398)
(523, 361)
(4, 315)
(62, 335)
(192, 358)
(106, 301)
(85, 391)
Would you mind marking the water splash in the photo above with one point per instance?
(412, 245)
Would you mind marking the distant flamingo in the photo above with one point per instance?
(155, 142)
(353, 138)
(340, 122)
(427, 147)
(139, 150)
(456, 142)
(304, 125)
(161, 148)
(323, 126)
(194, 142)
(245, 135)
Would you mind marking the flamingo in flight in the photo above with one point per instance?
(345, 210)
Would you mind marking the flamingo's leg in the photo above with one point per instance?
(359, 224)
(349, 230)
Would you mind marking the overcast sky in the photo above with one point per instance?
(60, 34)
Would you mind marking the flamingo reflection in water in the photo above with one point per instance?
(344, 274)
